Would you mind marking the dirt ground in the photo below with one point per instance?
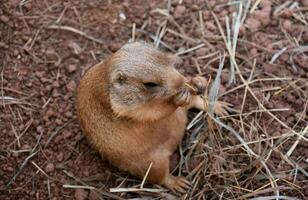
(46, 47)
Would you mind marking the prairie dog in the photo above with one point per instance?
(133, 106)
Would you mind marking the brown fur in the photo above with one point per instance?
(131, 125)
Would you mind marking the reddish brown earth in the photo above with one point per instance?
(41, 67)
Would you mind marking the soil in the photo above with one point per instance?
(42, 148)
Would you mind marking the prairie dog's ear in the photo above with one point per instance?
(174, 59)
(118, 77)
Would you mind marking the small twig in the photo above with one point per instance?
(191, 87)
(86, 186)
(197, 66)
(255, 5)
(160, 33)
(28, 124)
(117, 190)
(58, 129)
(79, 187)
(153, 37)
(290, 151)
(43, 172)
(190, 49)
(201, 22)
(146, 175)
(21, 168)
(16, 135)
(276, 55)
(74, 30)
(195, 120)
(48, 188)
(134, 32)
(185, 37)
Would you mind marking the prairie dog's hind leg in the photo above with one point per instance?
(176, 183)
(160, 173)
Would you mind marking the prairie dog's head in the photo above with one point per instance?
(142, 82)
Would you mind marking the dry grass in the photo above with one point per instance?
(229, 157)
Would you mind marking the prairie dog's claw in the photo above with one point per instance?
(177, 184)
(221, 108)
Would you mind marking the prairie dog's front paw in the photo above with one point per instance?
(221, 108)
(182, 98)
(199, 83)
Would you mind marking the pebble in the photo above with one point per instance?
(55, 93)
(291, 98)
(56, 84)
(71, 86)
(114, 46)
(40, 74)
(210, 26)
(299, 103)
(242, 31)
(67, 134)
(305, 37)
(80, 194)
(263, 16)
(202, 51)
(10, 169)
(4, 19)
(2, 44)
(66, 97)
(269, 68)
(287, 24)
(195, 8)
(58, 139)
(285, 14)
(32, 193)
(60, 157)
(253, 24)
(59, 122)
(93, 195)
(50, 113)
(49, 168)
(48, 87)
(44, 80)
(15, 53)
(71, 68)
(290, 119)
(26, 147)
(253, 52)
(68, 114)
(29, 84)
(15, 155)
(222, 89)
(179, 11)
(224, 78)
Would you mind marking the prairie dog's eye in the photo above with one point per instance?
(150, 84)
